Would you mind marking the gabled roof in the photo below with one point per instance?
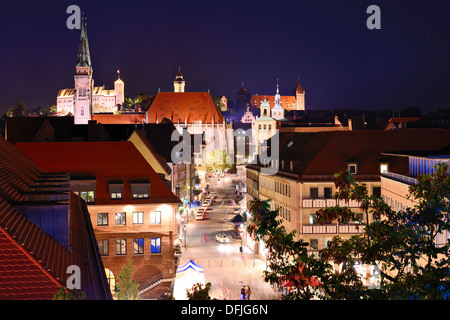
(287, 102)
(181, 107)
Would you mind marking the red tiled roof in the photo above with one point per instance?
(326, 153)
(33, 264)
(287, 102)
(108, 161)
(22, 277)
(132, 118)
(184, 106)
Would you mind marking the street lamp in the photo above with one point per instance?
(184, 232)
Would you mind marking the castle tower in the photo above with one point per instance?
(178, 83)
(84, 83)
(299, 97)
(278, 110)
(119, 87)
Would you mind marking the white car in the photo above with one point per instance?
(236, 211)
(221, 237)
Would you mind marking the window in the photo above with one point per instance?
(314, 193)
(138, 217)
(116, 190)
(155, 217)
(156, 245)
(140, 190)
(328, 193)
(121, 247)
(314, 244)
(84, 187)
(312, 218)
(376, 191)
(138, 246)
(121, 218)
(384, 167)
(87, 196)
(352, 167)
(102, 219)
(103, 247)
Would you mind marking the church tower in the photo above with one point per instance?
(119, 90)
(84, 83)
(178, 83)
(299, 97)
(278, 110)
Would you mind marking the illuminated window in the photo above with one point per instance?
(111, 280)
(156, 245)
(102, 219)
(120, 218)
(384, 167)
(155, 217)
(121, 247)
(138, 217)
(138, 246)
(352, 167)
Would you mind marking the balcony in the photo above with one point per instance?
(400, 178)
(333, 229)
(321, 203)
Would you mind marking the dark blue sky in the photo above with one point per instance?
(219, 44)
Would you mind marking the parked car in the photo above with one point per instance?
(236, 211)
(200, 214)
(221, 237)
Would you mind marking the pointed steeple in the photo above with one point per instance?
(84, 56)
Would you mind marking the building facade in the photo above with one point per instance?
(304, 182)
(133, 211)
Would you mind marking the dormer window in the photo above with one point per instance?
(384, 167)
(140, 189)
(352, 167)
(116, 190)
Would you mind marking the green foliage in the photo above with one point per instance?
(199, 292)
(66, 294)
(127, 289)
(20, 109)
(401, 244)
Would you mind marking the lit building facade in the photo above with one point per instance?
(132, 210)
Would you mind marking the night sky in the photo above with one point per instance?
(220, 44)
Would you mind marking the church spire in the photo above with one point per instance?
(84, 56)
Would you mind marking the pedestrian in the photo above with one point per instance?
(247, 292)
(243, 293)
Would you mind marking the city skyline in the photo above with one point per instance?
(339, 61)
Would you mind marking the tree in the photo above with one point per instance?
(66, 294)
(48, 109)
(199, 292)
(402, 244)
(405, 246)
(127, 288)
(218, 160)
(20, 109)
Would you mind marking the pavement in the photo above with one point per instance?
(224, 266)
(229, 271)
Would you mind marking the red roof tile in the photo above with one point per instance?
(184, 106)
(108, 161)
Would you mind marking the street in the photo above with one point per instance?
(224, 265)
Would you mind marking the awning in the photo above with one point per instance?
(187, 276)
